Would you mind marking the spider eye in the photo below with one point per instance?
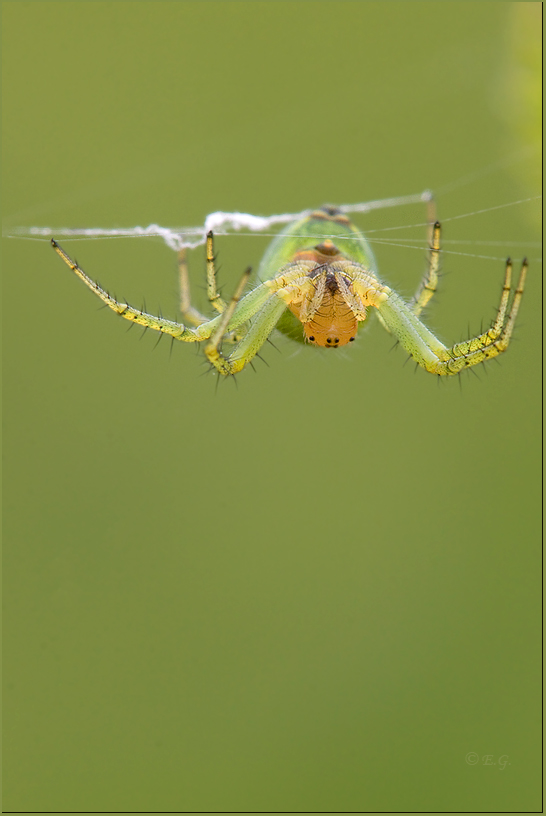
(312, 339)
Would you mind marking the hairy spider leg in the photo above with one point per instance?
(261, 303)
(290, 285)
(125, 310)
(212, 292)
(258, 332)
(212, 349)
(429, 283)
(188, 312)
(436, 358)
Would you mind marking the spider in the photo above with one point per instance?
(317, 291)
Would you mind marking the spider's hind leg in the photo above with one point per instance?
(429, 283)
(188, 312)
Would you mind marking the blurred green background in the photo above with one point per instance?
(318, 591)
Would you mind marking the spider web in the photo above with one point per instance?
(221, 223)
(227, 223)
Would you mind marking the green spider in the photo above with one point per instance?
(317, 291)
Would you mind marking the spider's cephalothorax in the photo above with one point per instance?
(316, 282)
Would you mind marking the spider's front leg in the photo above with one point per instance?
(261, 309)
(260, 328)
(261, 304)
(176, 330)
(431, 354)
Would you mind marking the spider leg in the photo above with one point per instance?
(503, 305)
(240, 312)
(176, 330)
(427, 287)
(216, 301)
(263, 307)
(497, 338)
(429, 283)
(188, 312)
(258, 333)
(310, 305)
(431, 354)
(212, 349)
(212, 292)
